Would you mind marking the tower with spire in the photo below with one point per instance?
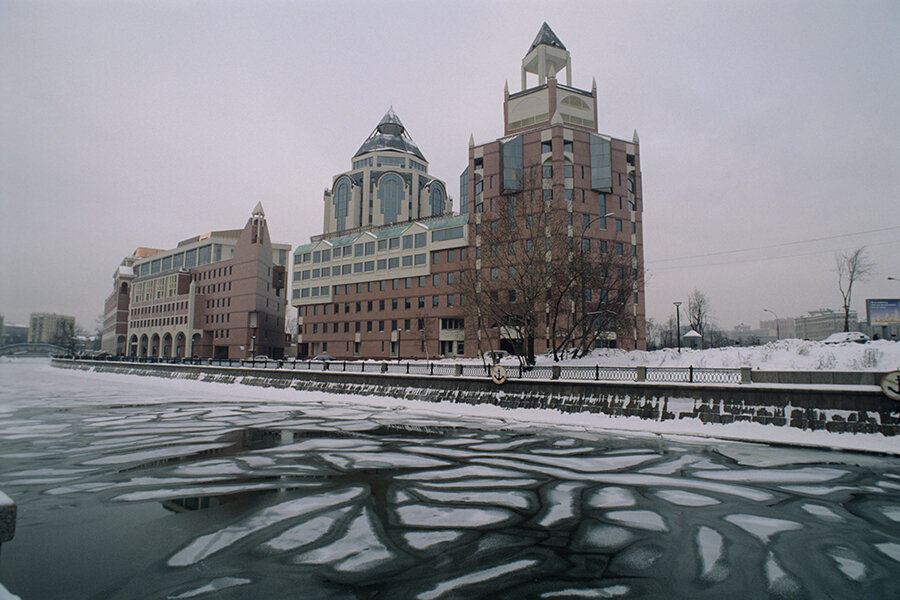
(387, 184)
(554, 165)
(548, 100)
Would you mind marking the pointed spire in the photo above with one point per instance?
(390, 123)
(471, 140)
(636, 139)
(557, 118)
(547, 37)
(258, 211)
(594, 85)
(506, 87)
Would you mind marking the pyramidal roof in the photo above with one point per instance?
(547, 37)
(390, 134)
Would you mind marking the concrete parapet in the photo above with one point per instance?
(809, 406)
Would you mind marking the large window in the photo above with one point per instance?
(437, 199)
(512, 165)
(391, 196)
(464, 191)
(341, 203)
(601, 168)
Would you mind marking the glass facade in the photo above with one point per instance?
(464, 191)
(436, 199)
(391, 195)
(512, 165)
(601, 166)
(341, 203)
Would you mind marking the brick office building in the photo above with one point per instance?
(219, 294)
(395, 275)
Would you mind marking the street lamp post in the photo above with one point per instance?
(678, 323)
(777, 328)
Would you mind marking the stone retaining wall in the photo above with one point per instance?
(848, 408)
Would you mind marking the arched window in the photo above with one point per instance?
(341, 203)
(391, 195)
(437, 199)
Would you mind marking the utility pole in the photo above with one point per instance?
(678, 323)
(777, 327)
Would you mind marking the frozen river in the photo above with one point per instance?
(135, 487)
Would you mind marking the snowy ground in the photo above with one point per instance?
(135, 486)
(783, 355)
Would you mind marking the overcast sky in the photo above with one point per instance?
(763, 126)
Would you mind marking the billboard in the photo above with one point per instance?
(883, 311)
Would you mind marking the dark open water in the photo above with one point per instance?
(131, 487)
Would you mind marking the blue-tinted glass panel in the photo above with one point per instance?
(512, 165)
(391, 196)
(464, 191)
(437, 199)
(601, 167)
(341, 203)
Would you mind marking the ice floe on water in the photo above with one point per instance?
(639, 519)
(822, 512)
(306, 533)
(891, 511)
(848, 562)
(359, 549)
(560, 504)
(610, 497)
(780, 583)
(612, 591)
(891, 549)
(801, 475)
(423, 540)
(507, 499)
(763, 528)
(683, 498)
(476, 577)
(594, 536)
(210, 543)
(453, 517)
(710, 549)
(214, 586)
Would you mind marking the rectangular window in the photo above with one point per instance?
(369, 266)
(370, 248)
(436, 279)
(382, 245)
(512, 165)
(407, 242)
(394, 262)
(357, 267)
(618, 225)
(435, 258)
(547, 171)
(394, 243)
(407, 260)
(382, 264)
(435, 301)
(601, 166)
(421, 258)
(358, 249)
(326, 255)
(204, 255)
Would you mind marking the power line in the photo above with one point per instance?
(752, 259)
(781, 245)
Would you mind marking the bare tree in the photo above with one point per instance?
(698, 311)
(539, 274)
(851, 266)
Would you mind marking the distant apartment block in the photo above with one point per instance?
(217, 295)
(49, 328)
(819, 324)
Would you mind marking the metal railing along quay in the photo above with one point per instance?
(444, 369)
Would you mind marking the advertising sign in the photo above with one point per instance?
(883, 311)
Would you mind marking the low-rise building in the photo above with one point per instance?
(50, 328)
(220, 294)
(819, 324)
